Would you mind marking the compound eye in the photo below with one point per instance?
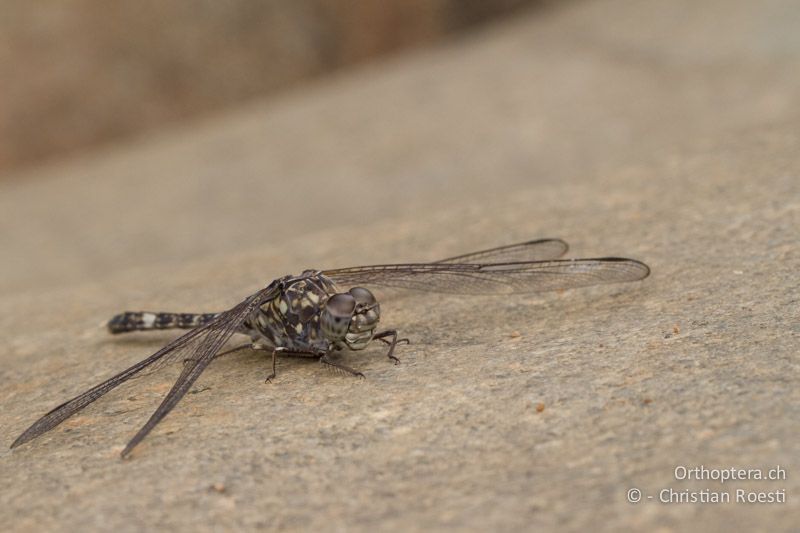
(341, 305)
(363, 296)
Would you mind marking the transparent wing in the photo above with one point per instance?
(494, 278)
(538, 250)
(198, 347)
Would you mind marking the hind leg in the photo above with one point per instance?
(292, 353)
(327, 361)
(245, 346)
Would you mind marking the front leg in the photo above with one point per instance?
(392, 343)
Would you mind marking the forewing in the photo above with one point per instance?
(494, 278)
(538, 250)
(198, 346)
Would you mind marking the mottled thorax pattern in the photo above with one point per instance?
(291, 319)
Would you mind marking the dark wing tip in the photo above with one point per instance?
(638, 269)
(548, 239)
(552, 240)
(126, 453)
(645, 268)
(20, 440)
(38, 428)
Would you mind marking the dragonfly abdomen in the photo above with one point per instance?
(145, 321)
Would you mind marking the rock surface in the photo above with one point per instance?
(667, 132)
(95, 72)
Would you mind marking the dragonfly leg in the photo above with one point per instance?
(392, 343)
(244, 346)
(292, 353)
(325, 360)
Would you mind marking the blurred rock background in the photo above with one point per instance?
(664, 131)
(78, 73)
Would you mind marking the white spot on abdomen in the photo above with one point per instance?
(148, 319)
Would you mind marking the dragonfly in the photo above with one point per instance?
(321, 312)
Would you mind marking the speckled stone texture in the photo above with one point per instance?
(667, 132)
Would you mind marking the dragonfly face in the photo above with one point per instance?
(365, 319)
(350, 318)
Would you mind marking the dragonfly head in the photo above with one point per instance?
(350, 318)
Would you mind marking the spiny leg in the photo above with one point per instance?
(325, 360)
(290, 352)
(394, 342)
(247, 345)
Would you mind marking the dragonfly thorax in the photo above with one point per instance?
(311, 313)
